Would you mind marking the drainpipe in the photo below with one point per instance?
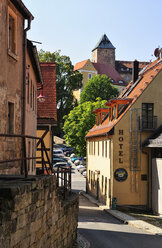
(148, 175)
(24, 90)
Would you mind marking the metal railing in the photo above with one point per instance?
(63, 175)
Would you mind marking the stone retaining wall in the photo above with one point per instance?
(33, 214)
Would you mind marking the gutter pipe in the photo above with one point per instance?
(24, 94)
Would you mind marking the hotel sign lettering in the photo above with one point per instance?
(121, 140)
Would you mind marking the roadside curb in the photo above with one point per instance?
(82, 242)
(125, 218)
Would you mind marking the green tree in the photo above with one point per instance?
(67, 80)
(98, 86)
(78, 122)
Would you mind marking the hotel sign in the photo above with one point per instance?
(121, 175)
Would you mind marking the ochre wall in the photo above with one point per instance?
(47, 142)
(134, 190)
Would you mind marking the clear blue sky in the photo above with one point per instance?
(75, 26)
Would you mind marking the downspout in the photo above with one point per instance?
(24, 89)
(148, 176)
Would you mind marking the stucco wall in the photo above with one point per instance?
(98, 166)
(157, 185)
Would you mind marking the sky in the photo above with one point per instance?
(134, 27)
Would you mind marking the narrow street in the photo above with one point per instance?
(103, 230)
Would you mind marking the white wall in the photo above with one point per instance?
(157, 185)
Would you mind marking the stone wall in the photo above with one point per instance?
(33, 214)
(104, 56)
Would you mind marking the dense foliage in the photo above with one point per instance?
(78, 122)
(98, 86)
(67, 81)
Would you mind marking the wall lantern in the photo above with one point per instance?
(41, 98)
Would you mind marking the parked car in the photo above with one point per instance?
(61, 164)
(63, 160)
(59, 159)
(72, 155)
(84, 173)
(77, 162)
(58, 153)
(81, 170)
(80, 166)
(67, 150)
(73, 159)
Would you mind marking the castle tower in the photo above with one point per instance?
(104, 52)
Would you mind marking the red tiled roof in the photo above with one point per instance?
(80, 65)
(129, 64)
(48, 109)
(109, 71)
(144, 80)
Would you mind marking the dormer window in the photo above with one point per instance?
(101, 113)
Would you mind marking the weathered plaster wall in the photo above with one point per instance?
(34, 215)
(11, 81)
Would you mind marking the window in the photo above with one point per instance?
(35, 101)
(106, 148)
(102, 183)
(105, 186)
(10, 117)
(31, 94)
(89, 179)
(147, 115)
(98, 148)
(12, 21)
(29, 155)
(103, 148)
(28, 82)
(94, 147)
(127, 78)
(33, 97)
(89, 75)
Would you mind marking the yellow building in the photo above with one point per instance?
(87, 69)
(118, 166)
